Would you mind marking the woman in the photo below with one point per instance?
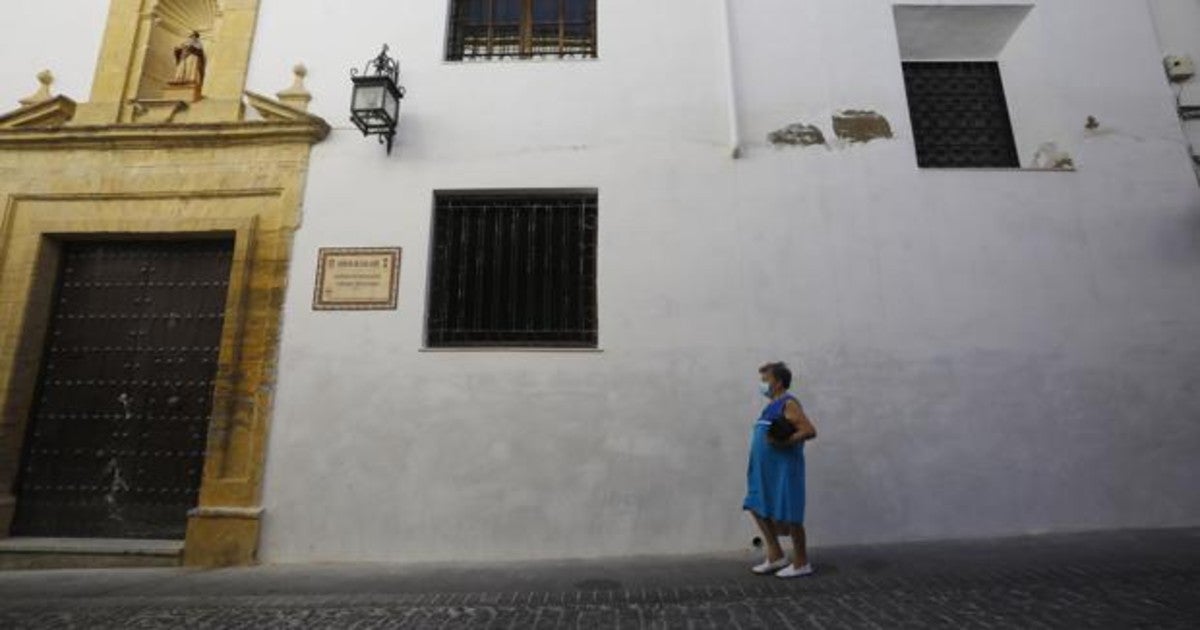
(775, 478)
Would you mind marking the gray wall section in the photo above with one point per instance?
(985, 353)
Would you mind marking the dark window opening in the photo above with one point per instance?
(959, 115)
(523, 29)
(513, 271)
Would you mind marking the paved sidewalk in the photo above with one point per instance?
(1148, 579)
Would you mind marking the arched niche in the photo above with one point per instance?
(137, 58)
(170, 23)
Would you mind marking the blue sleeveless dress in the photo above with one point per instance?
(775, 476)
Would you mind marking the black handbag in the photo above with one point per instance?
(781, 429)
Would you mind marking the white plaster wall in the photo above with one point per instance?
(985, 353)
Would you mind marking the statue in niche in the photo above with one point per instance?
(190, 62)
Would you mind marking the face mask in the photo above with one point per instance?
(764, 389)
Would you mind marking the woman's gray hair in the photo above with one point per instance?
(780, 371)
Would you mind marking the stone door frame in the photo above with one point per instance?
(223, 529)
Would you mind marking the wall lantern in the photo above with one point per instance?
(375, 106)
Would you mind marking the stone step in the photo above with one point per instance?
(88, 553)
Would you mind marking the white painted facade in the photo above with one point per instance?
(984, 352)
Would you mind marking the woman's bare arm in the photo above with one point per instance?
(805, 430)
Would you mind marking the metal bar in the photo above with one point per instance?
(526, 28)
(731, 95)
(580, 307)
(562, 28)
(491, 21)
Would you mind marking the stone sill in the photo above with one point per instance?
(518, 61)
(517, 350)
(135, 136)
(990, 169)
(92, 546)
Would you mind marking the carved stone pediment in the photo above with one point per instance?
(161, 123)
(48, 114)
(274, 110)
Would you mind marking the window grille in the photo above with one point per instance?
(513, 271)
(959, 115)
(499, 29)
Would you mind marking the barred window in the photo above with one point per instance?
(959, 115)
(524, 29)
(513, 270)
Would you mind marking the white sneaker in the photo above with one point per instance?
(771, 567)
(790, 571)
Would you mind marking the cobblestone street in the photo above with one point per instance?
(1110, 580)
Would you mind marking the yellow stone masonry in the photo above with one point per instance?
(72, 171)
